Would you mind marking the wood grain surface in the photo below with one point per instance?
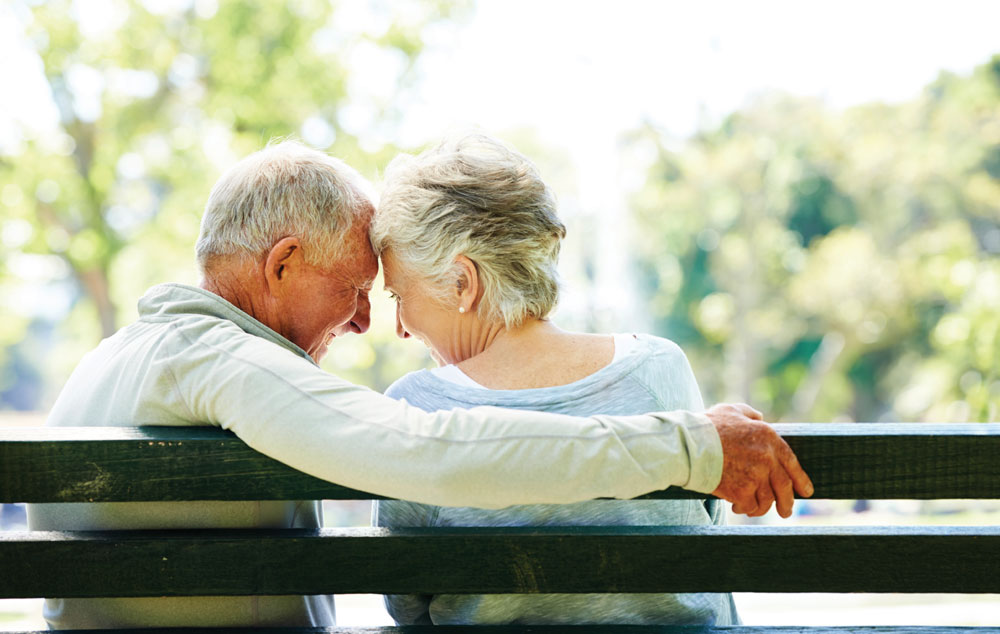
(490, 560)
(554, 629)
(104, 464)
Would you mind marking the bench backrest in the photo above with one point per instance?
(845, 461)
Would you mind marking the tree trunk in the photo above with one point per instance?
(95, 283)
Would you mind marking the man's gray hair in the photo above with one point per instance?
(474, 196)
(286, 189)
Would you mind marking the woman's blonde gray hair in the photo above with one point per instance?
(286, 189)
(474, 196)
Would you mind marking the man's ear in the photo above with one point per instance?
(467, 288)
(285, 259)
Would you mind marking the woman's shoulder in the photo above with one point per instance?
(651, 346)
(430, 392)
(663, 369)
(406, 385)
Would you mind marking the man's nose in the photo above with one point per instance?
(362, 316)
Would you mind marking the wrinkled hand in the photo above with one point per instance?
(758, 467)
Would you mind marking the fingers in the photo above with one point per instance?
(755, 503)
(744, 499)
(765, 498)
(760, 469)
(791, 464)
(781, 484)
(748, 411)
(735, 411)
(777, 487)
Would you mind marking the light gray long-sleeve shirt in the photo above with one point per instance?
(194, 359)
(654, 374)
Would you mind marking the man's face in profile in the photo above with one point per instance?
(331, 299)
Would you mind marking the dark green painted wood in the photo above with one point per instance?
(884, 461)
(845, 461)
(553, 629)
(453, 560)
(119, 464)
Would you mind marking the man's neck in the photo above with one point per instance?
(236, 283)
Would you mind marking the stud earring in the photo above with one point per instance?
(461, 309)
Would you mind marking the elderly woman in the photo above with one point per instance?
(469, 239)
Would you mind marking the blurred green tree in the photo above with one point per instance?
(830, 265)
(155, 99)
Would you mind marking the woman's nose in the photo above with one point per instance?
(400, 330)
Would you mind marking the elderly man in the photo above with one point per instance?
(287, 267)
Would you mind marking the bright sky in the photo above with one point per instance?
(568, 67)
(581, 72)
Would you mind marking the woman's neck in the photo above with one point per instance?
(502, 341)
(537, 354)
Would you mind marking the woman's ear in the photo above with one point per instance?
(467, 287)
(283, 261)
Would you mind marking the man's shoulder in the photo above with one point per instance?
(187, 318)
(130, 378)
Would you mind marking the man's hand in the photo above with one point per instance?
(758, 466)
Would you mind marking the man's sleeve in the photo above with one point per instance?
(287, 408)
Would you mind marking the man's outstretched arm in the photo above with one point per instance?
(286, 407)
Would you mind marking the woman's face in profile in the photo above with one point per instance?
(420, 312)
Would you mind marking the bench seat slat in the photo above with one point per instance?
(108, 464)
(490, 560)
(558, 629)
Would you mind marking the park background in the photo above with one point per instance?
(804, 196)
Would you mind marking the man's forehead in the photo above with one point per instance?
(371, 269)
(367, 260)
(359, 260)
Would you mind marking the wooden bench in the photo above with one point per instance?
(845, 461)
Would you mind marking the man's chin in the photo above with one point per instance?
(323, 347)
(320, 352)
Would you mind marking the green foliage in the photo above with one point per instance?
(152, 107)
(819, 264)
(835, 265)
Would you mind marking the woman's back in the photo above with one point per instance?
(646, 374)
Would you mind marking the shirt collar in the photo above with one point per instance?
(172, 300)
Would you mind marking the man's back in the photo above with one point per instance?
(127, 381)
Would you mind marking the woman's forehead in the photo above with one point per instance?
(390, 272)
